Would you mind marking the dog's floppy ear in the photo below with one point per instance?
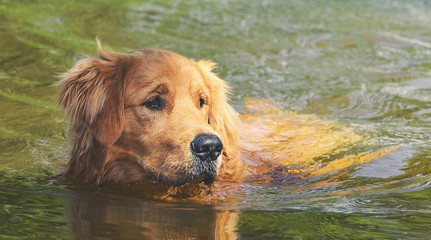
(92, 93)
(222, 117)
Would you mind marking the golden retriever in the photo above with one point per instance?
(153, 116)
(149, 115)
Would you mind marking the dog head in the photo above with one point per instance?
(153, 110)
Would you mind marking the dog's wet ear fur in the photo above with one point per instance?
(92, 93)
(222, 117)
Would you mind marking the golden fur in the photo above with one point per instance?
(115, 138)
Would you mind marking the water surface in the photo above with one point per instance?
(365, 64)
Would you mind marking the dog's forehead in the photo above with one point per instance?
(153, 67)
(153, 64)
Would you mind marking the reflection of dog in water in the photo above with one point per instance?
(100, 216)
(153, 116)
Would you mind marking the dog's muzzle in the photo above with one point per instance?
(206, 148)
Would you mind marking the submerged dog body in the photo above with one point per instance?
(149, 115)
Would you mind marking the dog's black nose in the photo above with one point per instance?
(207, 147)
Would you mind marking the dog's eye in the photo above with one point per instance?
(156, 103)
(202, 102)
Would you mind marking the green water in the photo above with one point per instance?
(362, 63)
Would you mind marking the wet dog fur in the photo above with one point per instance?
(136, 117)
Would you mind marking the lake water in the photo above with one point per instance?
(364, 63)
